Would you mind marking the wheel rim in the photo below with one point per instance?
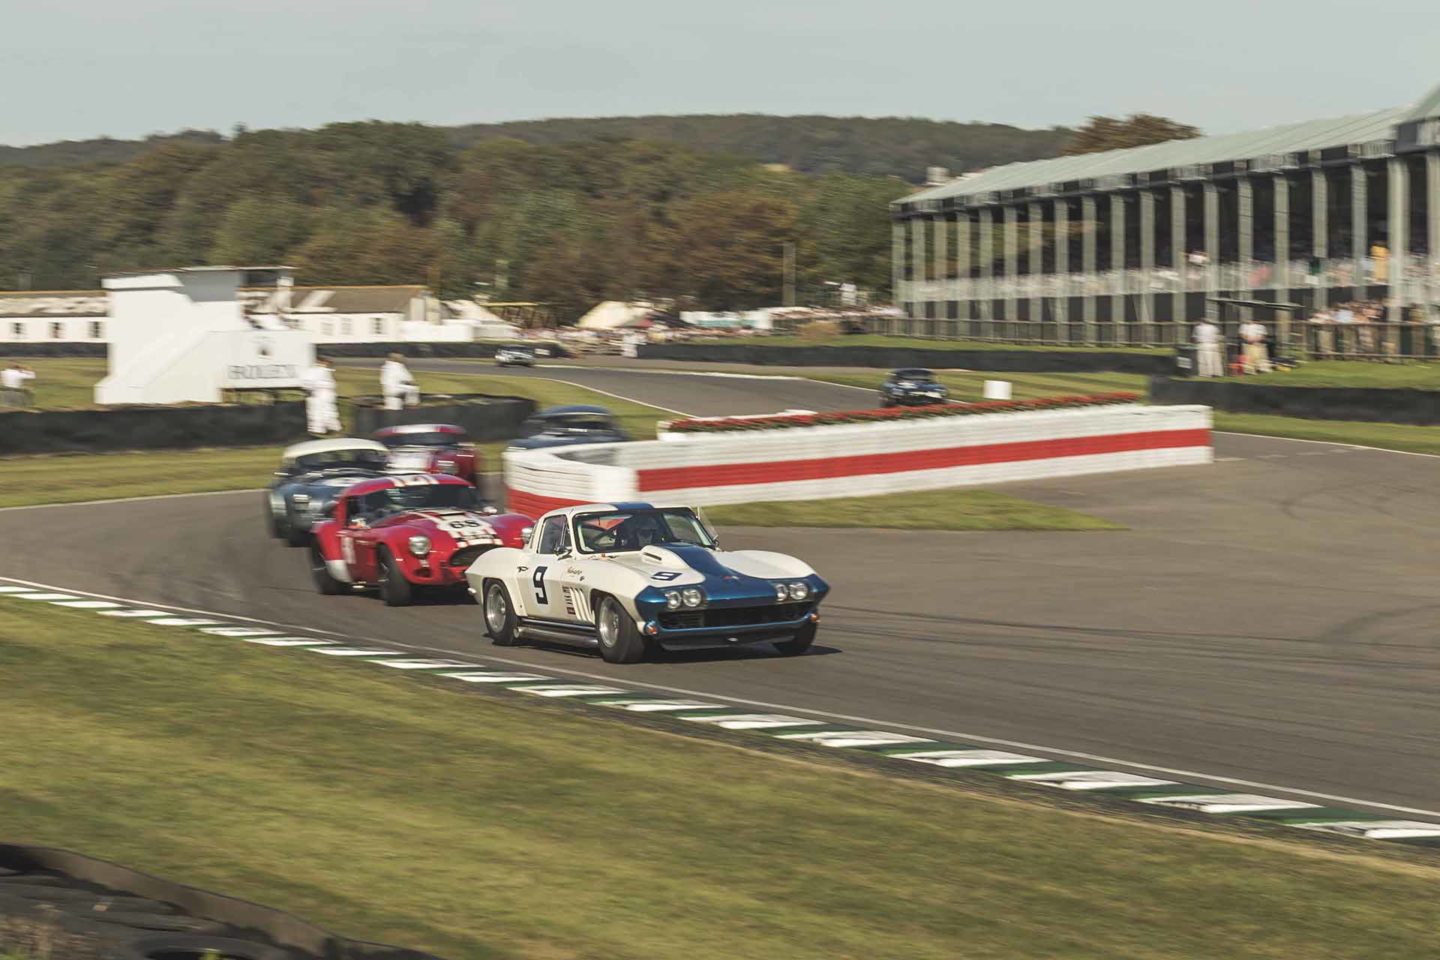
(496, 612)
(609, 624)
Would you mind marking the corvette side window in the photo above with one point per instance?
(552, 536)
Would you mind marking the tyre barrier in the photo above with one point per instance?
(484, 417)
(82, 907)
(1370, 404)
(179, 426)
(549, 348)
(76, 349)
(849, 460)
(889, 358)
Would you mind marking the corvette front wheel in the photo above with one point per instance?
(499, 614)
(799, 643)
(395, 590)
(620, 640)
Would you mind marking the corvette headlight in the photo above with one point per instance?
(673, 600)
(782, 593)
(692, 597)
(799, 590)
(420, 546)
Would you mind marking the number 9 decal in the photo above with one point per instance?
(538, 578)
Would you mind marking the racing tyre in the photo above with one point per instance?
(272, 522)
(324, 583)
(620, 640)
(799, 643)
(294, 536)
(395, 590)
(499, 614)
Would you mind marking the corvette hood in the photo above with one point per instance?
(717, 564)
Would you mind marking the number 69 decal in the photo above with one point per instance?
(538, 578)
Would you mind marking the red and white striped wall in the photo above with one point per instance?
(804, 463)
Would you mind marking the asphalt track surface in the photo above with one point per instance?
(1269, 619)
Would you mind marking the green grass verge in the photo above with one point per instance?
(971, 386)
(397, 809)
(922, 343)
(923, 510)
(1357, 373)
(1386, 436)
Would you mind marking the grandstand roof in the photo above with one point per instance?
(1290, 138)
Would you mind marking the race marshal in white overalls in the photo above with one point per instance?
(397, 385)
(322, 416)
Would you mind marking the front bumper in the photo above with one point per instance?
(918, 399)
(744, 613)
(709, 638)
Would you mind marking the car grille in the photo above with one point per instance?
(732, 616)
(461, 559)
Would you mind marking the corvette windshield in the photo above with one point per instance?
(922, 376)
(337, 459)
(418, 439)
(624, 531)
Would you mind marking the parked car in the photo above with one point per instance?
(515, 356)
(401, 534)
(630, 578)
(312, 475)
(431, 448)
(566, 425)
(912, 387)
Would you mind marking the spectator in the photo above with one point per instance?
(322, 416)
(1209, 362)
(13, 392)
(1252, 338)
(1324, 325)
(397, 385)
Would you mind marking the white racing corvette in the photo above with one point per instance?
(628, 578)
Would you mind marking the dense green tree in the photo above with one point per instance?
(1137, 130)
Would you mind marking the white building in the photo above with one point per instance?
(330, 314)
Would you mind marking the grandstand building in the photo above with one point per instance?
(1131, 246)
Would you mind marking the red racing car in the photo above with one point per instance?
(402, 533)
(430, 448)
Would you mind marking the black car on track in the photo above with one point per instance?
(912, 387)
(567, 425)
(312, 476)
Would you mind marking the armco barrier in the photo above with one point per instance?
(150, 428)
(889, 358)
(1314, 403)
(483, 417)
(802, 463)
(411, 348)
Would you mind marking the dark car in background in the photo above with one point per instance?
(567, 425)
(431, 448)
(312, 476)
(912, 387)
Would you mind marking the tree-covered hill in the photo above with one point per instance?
(884, 146)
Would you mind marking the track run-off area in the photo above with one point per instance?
(1266, 622)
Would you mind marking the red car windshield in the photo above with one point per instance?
(448, 496)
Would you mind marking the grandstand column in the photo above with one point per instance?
(1359, 229)
(1245, 206)
(1281, 233)
(1178, 213)
(1321, 232)
(987, 263)
(1147, 264)
(1088, 267)
(1117, 265)
(921, 272)
(1062, 269)
(1036, 215)
(1012, 256)
(897, 261)
(1399, 242)
(1432, 234)
(1212, 237)
(962, 259)
(942, 270)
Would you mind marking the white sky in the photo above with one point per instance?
(74, 69)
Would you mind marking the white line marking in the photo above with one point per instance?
(1228, 803)
(1332, 443)
(355, 652)
(1091, 779)
(183, 622)
(45, 596)
(13, 588)
(87, 604)
(491, 677)
(240, 632)
(425, 664)
(651, 705)
(829, 715)
(570, 690)
(287, 641)
(751, 721)
(140, 613)
(1377, 829)
(969, 758)
(854, 738)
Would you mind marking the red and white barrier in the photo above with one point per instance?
(847, 460)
